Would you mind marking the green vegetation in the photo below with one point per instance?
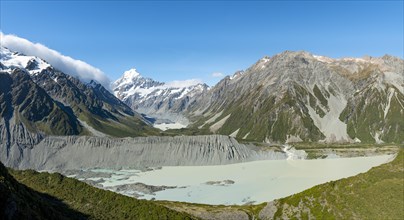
(272, 117)
(365, 121)
(214, 211)
(376, 194)
(128, 126)
(185, 131)
(320, 96)
(53, 196)
(31, 105)
(311, 145)
(18, 201)
(313, 104)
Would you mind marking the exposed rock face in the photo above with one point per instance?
(73, 152)
(235, 215)
(27, 112)
(297, 96)
(268, 212)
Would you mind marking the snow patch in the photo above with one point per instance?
(15, 60)
(166, 126)
(183, 93)
(265, 59)
(141, 91)
(173, 87)
(130, 74)
(236, 75)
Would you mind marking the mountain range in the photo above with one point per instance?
(290, 97)
(36, 100)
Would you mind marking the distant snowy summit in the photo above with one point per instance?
(165, 101)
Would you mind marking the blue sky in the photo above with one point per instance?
(180, 40)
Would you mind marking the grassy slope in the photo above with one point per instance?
(376, 194)
(364, 121)
(128, 126)
(77, 199)
(20, 202)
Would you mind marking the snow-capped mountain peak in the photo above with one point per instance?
(130, 74)
(157, 99)
(132, 83)
(11, 60)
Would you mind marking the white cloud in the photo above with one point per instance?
(66, 64)
(217, 75)
(183, 83)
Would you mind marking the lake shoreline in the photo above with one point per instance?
(251, 182)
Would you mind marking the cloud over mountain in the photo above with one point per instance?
(183, 83)
(66, 64)
(217, 75)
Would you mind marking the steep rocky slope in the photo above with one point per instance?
(26, 108)
(297, 96)
(164, 101)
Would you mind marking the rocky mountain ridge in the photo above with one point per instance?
(291, 97)
(297, 96)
